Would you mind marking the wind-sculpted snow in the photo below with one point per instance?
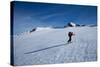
(50, 46)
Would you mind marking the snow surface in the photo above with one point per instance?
(50, 46)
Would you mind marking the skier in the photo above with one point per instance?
(70, 34)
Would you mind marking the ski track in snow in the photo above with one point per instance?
(50, 47)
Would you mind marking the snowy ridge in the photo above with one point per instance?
(43, 28)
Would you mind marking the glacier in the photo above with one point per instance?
(49, 46)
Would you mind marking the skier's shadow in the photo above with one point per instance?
(46, 48)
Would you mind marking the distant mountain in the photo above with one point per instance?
(34, 29)
(43, 28)
(92, 25)
(40, 29)
(70, 24)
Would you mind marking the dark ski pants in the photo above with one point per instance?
(70, 38)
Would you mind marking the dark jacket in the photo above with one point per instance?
(70, 34)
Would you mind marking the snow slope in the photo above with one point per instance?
(50, 46)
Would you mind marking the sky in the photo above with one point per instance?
(28, 15)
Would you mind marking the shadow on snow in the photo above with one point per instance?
(46, 48)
